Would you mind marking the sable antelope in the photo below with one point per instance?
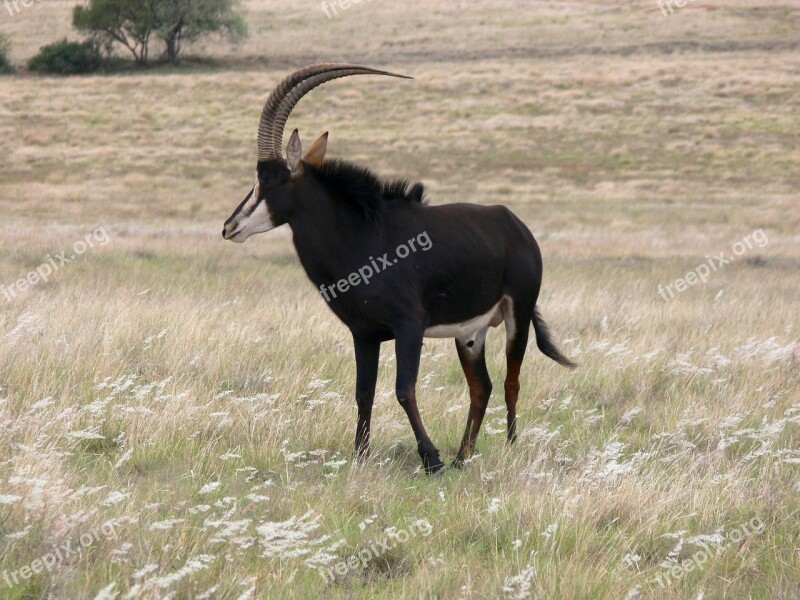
(481, 266)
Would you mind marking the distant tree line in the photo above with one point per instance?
(134, 25)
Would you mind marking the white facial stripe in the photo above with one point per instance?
(260, 221)
(253, 218)
(251, 202)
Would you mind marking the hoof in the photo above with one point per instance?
(436, 471)
(433, 464)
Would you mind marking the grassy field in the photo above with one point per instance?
(177, 412)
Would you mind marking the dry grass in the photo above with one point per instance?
(632, 144)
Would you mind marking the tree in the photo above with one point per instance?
(5, 62)
(128, 22)
(184, 21)
(132, 23)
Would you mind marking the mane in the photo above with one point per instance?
(361, 188)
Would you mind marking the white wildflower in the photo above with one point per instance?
(209, 487)
(631, 560)
(519, 586)
(257, 498)
(115, 497)
(629, 416)
(107, 593)
(124, 458)
(368, 521)
(164, 525)
(290, 538)
(85, 435)
(192, 566)
(144, 571)
(634, 593)
(43, 403)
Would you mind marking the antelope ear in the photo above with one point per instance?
(293, 152)
(316, 155)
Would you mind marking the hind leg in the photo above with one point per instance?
(517, 322)
(473, 362)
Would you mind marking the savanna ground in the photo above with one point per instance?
(196, 396)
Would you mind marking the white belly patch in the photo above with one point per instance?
(467, 329)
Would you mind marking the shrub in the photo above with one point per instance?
(67, 58)
(5, 62)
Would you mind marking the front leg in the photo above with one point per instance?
(367, 355)
(408, 347)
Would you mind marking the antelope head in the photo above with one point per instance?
(274, 196)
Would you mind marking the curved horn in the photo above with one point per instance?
(288, 93)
